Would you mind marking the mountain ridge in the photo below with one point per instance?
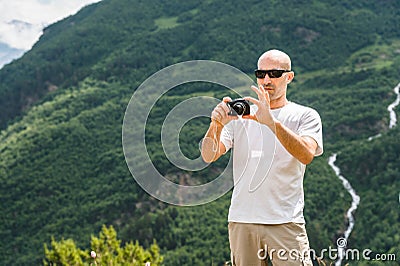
(63, 173)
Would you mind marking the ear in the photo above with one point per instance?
(289, 77)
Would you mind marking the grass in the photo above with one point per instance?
(380, 55)
(166, 22)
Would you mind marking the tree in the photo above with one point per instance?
(105, 250)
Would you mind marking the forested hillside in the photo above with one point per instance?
(62, 167)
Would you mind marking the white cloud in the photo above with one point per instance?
(7, 54)
(22, 21)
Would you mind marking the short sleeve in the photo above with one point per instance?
(311, 126)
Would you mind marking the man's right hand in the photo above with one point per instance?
(220, 112)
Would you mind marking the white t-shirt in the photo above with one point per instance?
(268, 180)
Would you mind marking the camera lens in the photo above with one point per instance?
(239, 108)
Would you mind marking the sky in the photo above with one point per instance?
(22, 21)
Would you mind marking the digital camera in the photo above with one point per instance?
(239, 107)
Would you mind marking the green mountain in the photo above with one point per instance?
(62, 167)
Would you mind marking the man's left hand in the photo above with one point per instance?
(263, 114)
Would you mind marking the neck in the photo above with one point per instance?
(278, 103)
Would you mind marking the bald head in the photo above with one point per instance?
(275, 59)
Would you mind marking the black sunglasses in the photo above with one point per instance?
(273, 73)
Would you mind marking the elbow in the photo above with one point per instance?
(307, 159)
(208, 161)
(308, 153)
(208, 158)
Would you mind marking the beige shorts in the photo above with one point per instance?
(255, 244)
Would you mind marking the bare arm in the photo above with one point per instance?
(211, 147)
(301, 147)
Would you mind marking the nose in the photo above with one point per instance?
(267, 79)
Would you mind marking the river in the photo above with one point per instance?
(355, 198)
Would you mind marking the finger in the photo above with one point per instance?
(226, 99)
(224, 107)
(224, 111)
(252, 100)
(219, 115)
(214, 114)
(220, 112)
(260, 94)
(220, 108)
(266, 94)
(258, 88)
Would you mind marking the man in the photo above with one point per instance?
(271, 148)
